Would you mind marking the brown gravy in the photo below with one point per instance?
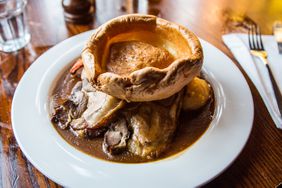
(191, 126)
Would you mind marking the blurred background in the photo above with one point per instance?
(219, 15)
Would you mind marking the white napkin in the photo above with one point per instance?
(256, 70)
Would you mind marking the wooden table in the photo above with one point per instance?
(259, 164)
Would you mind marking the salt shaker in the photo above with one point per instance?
(78, 11)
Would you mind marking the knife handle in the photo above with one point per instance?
(277, 31)
(280, 47)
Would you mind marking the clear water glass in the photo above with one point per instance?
(14, 32)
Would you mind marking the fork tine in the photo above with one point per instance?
(257, 38)
(249, 38)
(260, 39)
(253, 36)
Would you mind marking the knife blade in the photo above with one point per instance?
(277, 31)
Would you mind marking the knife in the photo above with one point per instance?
(277, 30)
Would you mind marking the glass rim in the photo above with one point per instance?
(15, 10)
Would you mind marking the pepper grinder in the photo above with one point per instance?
(78, 11)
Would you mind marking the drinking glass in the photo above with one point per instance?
(14, 32)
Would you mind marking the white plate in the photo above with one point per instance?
(64, 164)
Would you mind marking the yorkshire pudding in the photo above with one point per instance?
(141, 58)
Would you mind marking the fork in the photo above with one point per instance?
(257, 50)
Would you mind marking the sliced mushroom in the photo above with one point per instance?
(115, 139)
(62, 114)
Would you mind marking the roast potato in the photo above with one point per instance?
(197, 94)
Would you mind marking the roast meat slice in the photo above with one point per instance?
(86, 110)
(153, 125)
(94, 109)
(99, 111)
(115, 139)
(101, 108)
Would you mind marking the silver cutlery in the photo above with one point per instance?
(277, 31)
(257, 50)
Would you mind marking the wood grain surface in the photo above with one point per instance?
(259, 164)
